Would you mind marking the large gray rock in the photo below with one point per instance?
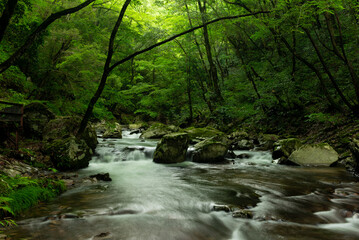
(36, 117)
(314, 155)
(243, 144)
(285, 147)
(172, 148)
(209, 151)
(114, 131)
(158, 130)
(69, 153)
(66, 150)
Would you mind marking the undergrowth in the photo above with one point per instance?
(20, 193)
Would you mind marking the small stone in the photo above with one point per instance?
(104, 235)
(219, 208)
(242, 213)
(101, 177)
(244, 156)
(69, 216)
(68, 182)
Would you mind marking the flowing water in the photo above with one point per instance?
(146, 200)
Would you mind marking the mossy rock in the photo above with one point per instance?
(158, 130)
(239, 135)
(285, 147)
(314, 155)
(203, 133)
(209, 151)
(64, 127)
(69, 153)
(113, 131)
(36, 117)
(267, 141)
(172, 148)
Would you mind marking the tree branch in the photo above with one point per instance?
(53, 17)
(179, 35)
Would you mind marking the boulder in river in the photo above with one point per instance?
(284, 148)
(69, 153)
(209, 151)
(113, 131)
(36, 117)
(172, 148)
(199, 134)
(314, 155)
(242, 213)
(66, 150)
(158, 130)
(266, 141)
(102, 177)
(243, 144)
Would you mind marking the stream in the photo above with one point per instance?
(146, 200)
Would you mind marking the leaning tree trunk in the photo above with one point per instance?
(108, 68)
(6, 16)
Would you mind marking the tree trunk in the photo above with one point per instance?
(342, 56)
(317, 73)
(106, 71)
(6, 16)
(189, 92)
(108, 68)
(195, 40)
(326, 69)
(212, 66)
(294, 62)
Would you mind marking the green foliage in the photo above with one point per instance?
(20, 193)
(322, 118)
(258, 76)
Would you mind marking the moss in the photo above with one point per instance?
(69, 153)
(172, 148)
(21, 193)
(202, 132)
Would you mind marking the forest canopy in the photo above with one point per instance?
(283, 58)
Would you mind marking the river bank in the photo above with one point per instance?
(30, 162)
(146, 200)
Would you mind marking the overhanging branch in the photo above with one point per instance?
(53, 17)
(179, 35)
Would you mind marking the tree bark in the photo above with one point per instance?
(342, 55)
(212, 67)
(326, 69)
(6, 16)
(33, 36)
(195, 40)
(106, 70)
(317, 73)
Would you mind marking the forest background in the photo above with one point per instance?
(292, 65)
